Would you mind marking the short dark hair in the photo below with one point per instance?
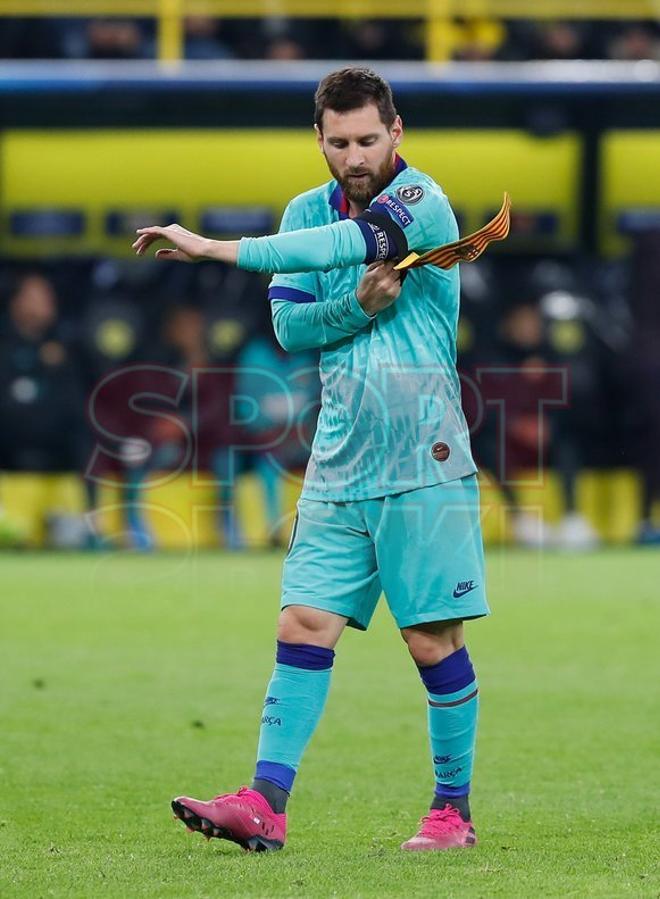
(353, 88)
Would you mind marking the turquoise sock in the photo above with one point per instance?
(293, 707)
(453, 705)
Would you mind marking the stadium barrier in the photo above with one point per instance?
(184, 517)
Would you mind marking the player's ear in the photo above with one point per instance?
(396, 131)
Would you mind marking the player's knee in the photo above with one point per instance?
(430, 643)
(301, 624)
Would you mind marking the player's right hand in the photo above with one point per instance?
(379, 287)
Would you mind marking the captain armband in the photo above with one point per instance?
(384, 239)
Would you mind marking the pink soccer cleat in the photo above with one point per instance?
(442, 828)
(244, 817)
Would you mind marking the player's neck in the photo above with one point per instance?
(354, 209)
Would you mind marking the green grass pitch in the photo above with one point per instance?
(127, 680)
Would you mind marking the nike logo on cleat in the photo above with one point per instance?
(463, 587)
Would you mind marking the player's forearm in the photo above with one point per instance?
(221, 250)
(307, 326)
(313, 249)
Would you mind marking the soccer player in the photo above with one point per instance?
(390, 499)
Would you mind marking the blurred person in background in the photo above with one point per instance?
(118, 39)
(204, 434)
(643, 366)
(477, 40)
(536, 427)
(515, 435)
(97, 38)
(284, 48)
(296, 38)
(552, 40)
(195, 430)
(168, 419)
(560, 40)
(203, 39)
(122, 385)
(182, 349)
(637, 41)
(382, 39)
(223, 442)
(579, 424)
(41, 398)
(282, 390)
(40, 388)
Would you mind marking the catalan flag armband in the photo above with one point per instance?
(467, 249)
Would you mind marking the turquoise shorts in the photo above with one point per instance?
(422, 548)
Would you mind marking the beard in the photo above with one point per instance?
(362, 190)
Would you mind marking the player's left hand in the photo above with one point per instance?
(379, 287)
(190, 247)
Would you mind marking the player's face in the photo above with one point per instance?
(360, 151)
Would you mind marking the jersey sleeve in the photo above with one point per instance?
(297, 287)
(369, 237)
(320, 249)
(318, 325)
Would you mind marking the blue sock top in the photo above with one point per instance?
(304, 655)
(449, 675)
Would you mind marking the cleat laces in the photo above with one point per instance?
(441, 822)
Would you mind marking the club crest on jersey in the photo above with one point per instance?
(410, 193)
(397, 211)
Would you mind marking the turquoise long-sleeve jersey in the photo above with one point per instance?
(390, 390)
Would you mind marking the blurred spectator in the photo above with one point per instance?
(643, 398)
(292, 38)
(283, 391)
(560, 40)
(202, 35)
(477, 40)
(41, 402)
(528, 40)
(515, 435)
(636, 42)
(284, 48)
(85, 38)
(166, 413)
(382, 39)
(581, 421)
(169, 434)
(121, 384)
(116, 39)
(206, 407)
(40, 389)
(209, 427)
(541, 397)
